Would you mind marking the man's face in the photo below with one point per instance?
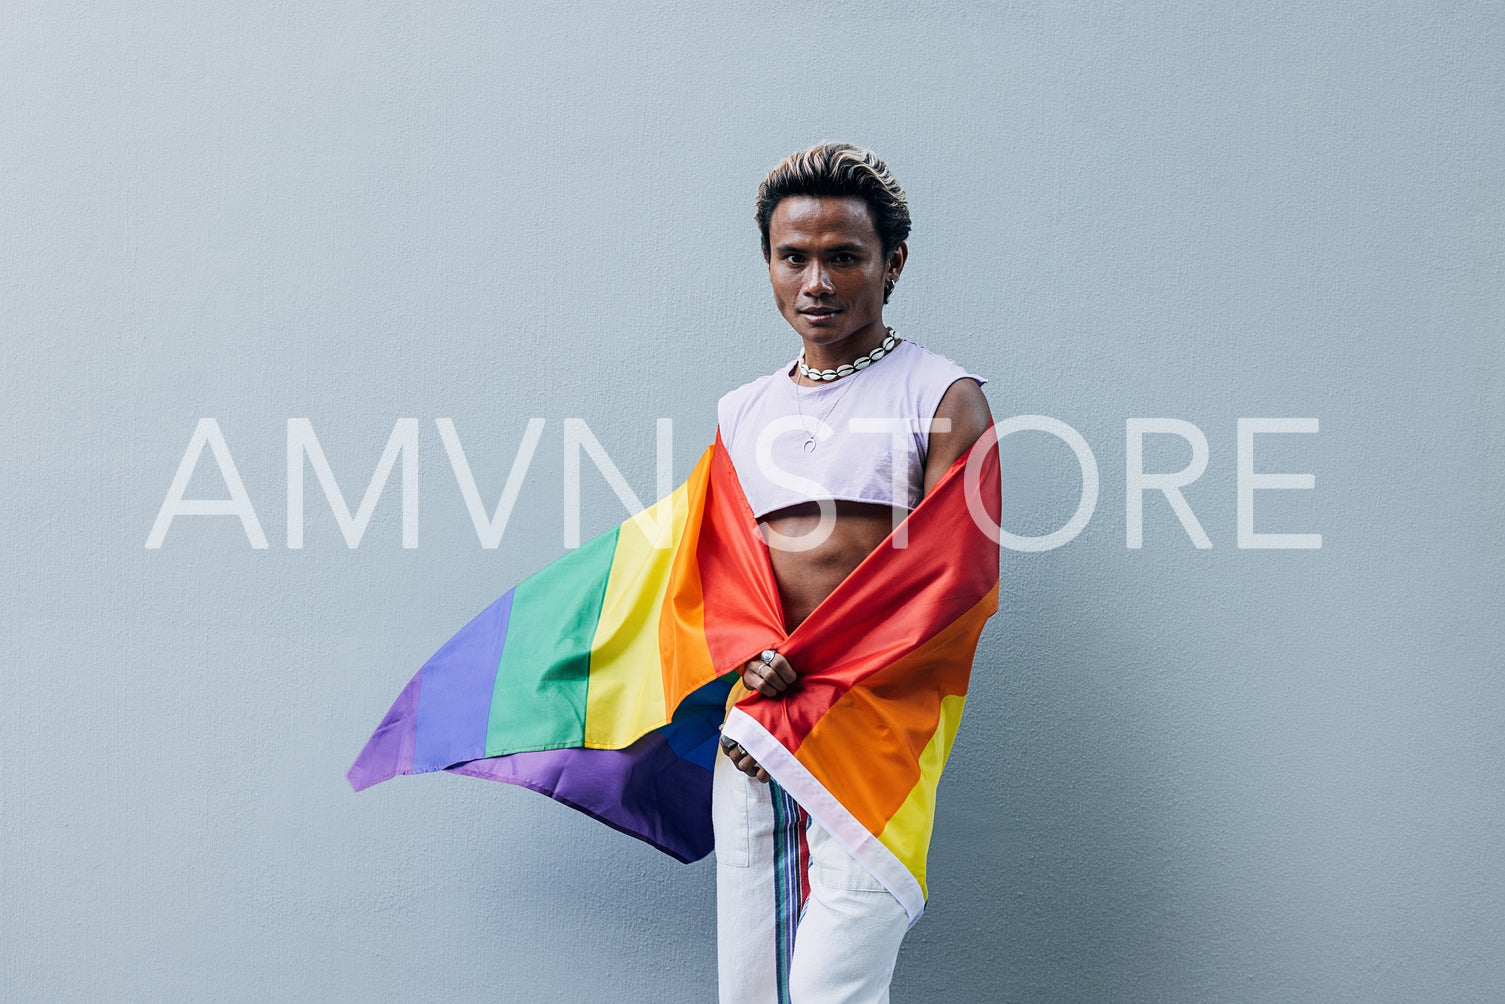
(827, 268)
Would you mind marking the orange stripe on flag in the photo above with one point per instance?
(683, 653)
(875, 778)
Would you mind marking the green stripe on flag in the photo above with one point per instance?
(539, 698)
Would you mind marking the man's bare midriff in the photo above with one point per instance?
(807, 577)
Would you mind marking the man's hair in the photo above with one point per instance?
(838, 170)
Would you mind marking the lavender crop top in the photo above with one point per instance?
(871, 432)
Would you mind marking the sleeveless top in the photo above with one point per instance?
(871, 432)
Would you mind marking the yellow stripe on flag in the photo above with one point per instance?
(622, 700)
(907, 833)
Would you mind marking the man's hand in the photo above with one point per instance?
(743, 761)
(771, 678)
(770, 675)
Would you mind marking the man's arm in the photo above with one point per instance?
(967, 408)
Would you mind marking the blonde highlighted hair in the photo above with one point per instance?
(838, 170)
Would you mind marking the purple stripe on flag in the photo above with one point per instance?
(646, 790)
(458, 681)
(389, 751)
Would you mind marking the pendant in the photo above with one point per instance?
(810, 445)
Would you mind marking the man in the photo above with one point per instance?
(831, 452)
(602, 679)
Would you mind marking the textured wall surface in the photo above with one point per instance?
(1185, 774)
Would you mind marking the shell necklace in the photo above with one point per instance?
(860, 363)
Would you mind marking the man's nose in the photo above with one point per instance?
(817, 280)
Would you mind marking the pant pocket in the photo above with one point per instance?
(833, 867)
(731, 814)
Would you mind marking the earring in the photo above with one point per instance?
(888, 285)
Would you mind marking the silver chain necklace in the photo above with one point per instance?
(889, 341)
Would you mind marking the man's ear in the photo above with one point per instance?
(897, 258)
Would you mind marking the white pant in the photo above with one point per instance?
(775, 944)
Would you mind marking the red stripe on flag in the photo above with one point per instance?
(743, 613)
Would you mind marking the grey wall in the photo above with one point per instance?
(1185, 775)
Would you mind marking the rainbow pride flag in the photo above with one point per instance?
(603, 679)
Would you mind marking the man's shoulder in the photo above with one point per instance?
(924, 361)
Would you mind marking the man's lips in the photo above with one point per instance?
(819, 311)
